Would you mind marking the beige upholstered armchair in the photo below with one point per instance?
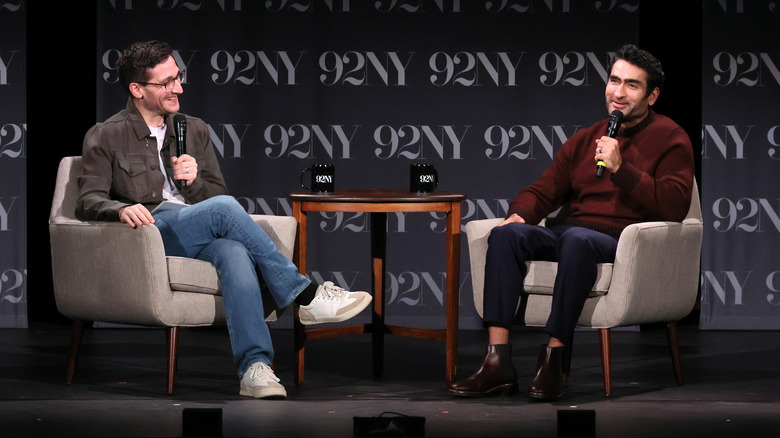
(109, 272)
(654, 279)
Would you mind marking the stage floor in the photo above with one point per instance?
(732, 385)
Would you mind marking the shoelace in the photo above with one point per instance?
(331, 291)
(263, 373)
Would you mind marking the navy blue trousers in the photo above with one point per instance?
(577, 251)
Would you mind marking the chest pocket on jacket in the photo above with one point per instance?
(131, 178)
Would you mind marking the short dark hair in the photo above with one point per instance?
(644, 60)
(135, 61)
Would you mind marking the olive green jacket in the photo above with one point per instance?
(120, 166)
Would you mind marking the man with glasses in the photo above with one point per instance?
(130, 174)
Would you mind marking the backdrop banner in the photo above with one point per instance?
(740, 163)
(487, 92)
(13, 165)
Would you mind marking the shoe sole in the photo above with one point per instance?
(543, 396)
(340, 318)
(502, 390)
(271, 395)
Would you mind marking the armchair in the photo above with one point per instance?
(109, 272)
(654, 279)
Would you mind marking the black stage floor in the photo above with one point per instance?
(732, 386)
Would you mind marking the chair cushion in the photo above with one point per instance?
(541, 277)
(192, 275)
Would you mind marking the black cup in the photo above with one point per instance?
(423, 178)
(321, 178)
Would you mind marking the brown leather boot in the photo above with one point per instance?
(497, 374)
(547, 384)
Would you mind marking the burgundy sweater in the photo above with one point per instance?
(654, 182)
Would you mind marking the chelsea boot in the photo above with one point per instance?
(496, 375)
(547, 384)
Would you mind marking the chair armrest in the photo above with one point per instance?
(477, 233)
(108, 271)
(656, 273)
(281, 229)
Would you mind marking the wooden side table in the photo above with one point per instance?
(379, 202)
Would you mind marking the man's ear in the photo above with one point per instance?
(135, 90)
(653, 96)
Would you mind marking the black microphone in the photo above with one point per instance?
(613, 125)
(180, 122)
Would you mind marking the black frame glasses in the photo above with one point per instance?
(168, 85)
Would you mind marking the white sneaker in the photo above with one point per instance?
(259, 381)
(333, 304)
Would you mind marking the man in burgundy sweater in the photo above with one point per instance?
(649, 176)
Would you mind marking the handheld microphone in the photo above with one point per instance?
(180, 123)
(613, 125)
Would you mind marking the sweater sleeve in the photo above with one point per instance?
(551, 190)
(664, 194)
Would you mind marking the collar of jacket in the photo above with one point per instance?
(139, 125)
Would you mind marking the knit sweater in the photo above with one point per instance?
(654, 181)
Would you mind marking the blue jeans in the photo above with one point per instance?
(219, 230)
(577, 251)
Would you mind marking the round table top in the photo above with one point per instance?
(378, 195)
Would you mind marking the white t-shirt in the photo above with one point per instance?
(169, 192)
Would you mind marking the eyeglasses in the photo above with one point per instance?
(168, 85)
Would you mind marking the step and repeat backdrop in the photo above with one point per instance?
(741, 165)
(486, 92)
(13, 165)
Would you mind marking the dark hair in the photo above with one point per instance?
(135, 61)
(644, 60)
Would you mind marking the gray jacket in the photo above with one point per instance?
(120, 166)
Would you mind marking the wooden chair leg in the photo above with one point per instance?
(299, 335)
(73, 354)
(674, 347)
(606, 360)
(172, 335)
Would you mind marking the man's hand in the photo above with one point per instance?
(512, 219)
(135, 215)
(185, 168)
(607, 150)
